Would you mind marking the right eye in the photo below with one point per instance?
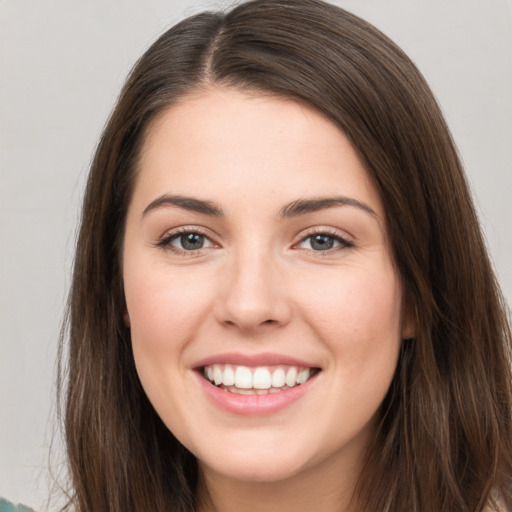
(185, 241)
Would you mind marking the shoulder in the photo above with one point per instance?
(7, 506)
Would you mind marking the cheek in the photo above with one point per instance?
(157, 293)
(164, 311)
(360, 325)
(359, 318)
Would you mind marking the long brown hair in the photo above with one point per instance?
(444, 439)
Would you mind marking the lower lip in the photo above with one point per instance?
(254, 404)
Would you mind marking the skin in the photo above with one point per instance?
(258, 285)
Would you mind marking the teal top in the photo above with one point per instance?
(7, 506)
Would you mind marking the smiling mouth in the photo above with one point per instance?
(261, 380)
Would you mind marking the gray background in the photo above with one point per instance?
(62, 64)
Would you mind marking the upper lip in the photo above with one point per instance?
(264, 359)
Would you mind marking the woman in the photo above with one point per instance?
(281, 296)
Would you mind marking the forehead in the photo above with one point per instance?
(235, 145)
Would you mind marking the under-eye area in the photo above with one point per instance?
(260, 380)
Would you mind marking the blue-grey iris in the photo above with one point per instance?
(192, 241)
(322, 242)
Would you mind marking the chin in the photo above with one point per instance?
(254, 469)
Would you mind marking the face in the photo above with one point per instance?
(264, 307)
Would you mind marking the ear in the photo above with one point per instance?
(409, 323)
(126, 319)
(408, 330)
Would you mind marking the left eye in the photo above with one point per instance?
(323, 242)
(189, 241)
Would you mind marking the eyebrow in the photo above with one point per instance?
(305, 206)
(293, 209)
(187, 203)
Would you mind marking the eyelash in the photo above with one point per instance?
(343, 242)
(165, 242)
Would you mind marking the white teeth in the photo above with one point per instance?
(291, 376)
(234, 389)
(272, 379)
(261, 379)
(303, 376)
(243, 378)
(229, 376)
(217, 374)
(278, 378)
(244, 391)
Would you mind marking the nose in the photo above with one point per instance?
(253, 295)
